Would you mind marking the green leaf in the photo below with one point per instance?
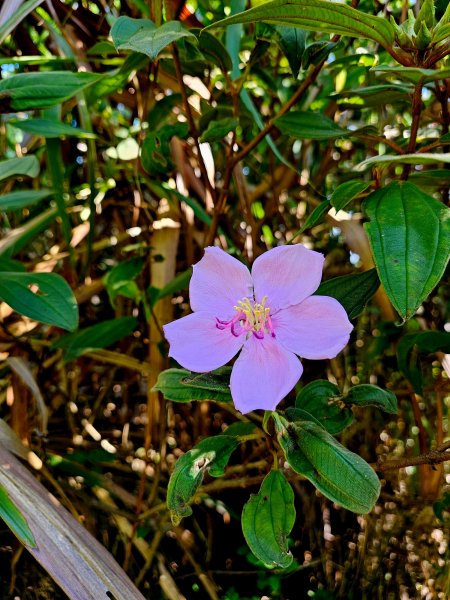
(352, 291)
(180, 385)
(374, 96)
(30, 91)
(52, 302)
(18, 238)
(120, 280)
(179, 282)
(422, 158)
(318, 15)
(28, 165)
(308, 125)
(211, 454)
(51, 129)
(442, 33)
(213, 49)
(142, 35)
(155, 155)
(316, 51)
(412, 74)
(409, 233)
(323, 400)
(346, 192)
(23, 199)
(98, 336)
(414, 344)
(217, 130)
(267, 520)
(292, 42)
(372, 395)
(341, 475)
(314, 217)
(14, 519)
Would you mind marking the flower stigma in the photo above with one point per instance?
(252, 317)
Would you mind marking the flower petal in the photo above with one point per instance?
(218, 282)
(197, 344)
(286, 275)
(263, 374)
(316, 328)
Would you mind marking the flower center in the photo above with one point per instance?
(251, 317)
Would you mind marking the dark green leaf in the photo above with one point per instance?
(22, 199)
(374, 95)
(316, 51)
(52, 302)
(142, 35)
(308, 125)
(51, 129)
(341, 475)
(323, 400)
(410, 348)
(352, 291)
(30, 91)
(217, 130)
(372, 395)
(213, 49)
(14, 519)
(179, 282)
(409, 233)
(267, 520)
(211, 454)
(155, 155)
(314, 217)
(120, 280)
(292, 42)
(28, 165)
(180, 385)
(318, 15)
(346, 192)
(98, 336)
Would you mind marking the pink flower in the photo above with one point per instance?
(269, 314)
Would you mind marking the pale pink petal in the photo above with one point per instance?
(263, 374)
(316, 328)
(196, 343)
(218, 282)
(287, 275)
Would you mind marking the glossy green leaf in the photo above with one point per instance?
(23, 199)
(374, 95)
(318, 15)
(414, 344)
(409, 233)
(323, 400)
(211, 454)
(142, 35)
(180, 385)
(120, 280)
(341, 475)
(97, 336)
(27, 165)
(15, 520)
(308, 125)
(217, 130)
(347, 191)
(267, 520)
(372, 395)
(44, 297)
(352, 291)
(421, 158)
(30, 91)
(51, 129)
